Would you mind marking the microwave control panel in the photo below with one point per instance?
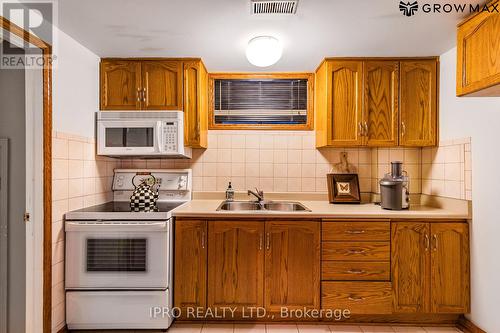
(170, 136)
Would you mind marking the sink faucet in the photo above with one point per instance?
(258, 194)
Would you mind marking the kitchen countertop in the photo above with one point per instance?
(430, 209)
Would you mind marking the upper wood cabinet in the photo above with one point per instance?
(418, 103)
(162, 84)
(190, 264)
(236, 262)
(159, 84)
(430, 267)
(120, 85)
(380, 120)
(339, 103)
(195, 104)
(292, 265)
(478, 54)
(376, 102)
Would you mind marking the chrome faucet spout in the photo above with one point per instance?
(258, 194)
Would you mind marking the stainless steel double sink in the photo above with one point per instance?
(281, 206)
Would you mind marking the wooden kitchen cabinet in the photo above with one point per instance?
(376, 102)
(120, 82)
(236, 264)
(339, 93)
(190, 262)
(418, 103)
(162, 84)
(478, 51)
(430, 267)
(381, 96)
(292, 265)
(159, 84)
(195, 104)
(450, 273)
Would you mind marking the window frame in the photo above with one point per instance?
(308, 126)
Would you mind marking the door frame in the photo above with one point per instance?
(4, 166)
(46, 238)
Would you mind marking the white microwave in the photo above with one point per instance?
(153, 134)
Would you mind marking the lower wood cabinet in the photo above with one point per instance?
(430, 267)
(358, 297)
(190, 262)
(292, 265)
(236, 264)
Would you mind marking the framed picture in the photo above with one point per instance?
(343, 188)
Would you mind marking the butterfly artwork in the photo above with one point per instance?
(343, 188)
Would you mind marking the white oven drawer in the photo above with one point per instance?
(117, 309)
(118, 256)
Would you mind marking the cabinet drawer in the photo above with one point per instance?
(358, 297)
(359, 251)
(356, 231)
(346, 271)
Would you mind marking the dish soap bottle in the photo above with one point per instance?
(229, 192)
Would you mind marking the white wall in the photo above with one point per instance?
(75, 87)
(478, 118)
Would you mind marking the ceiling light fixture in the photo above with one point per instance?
(264, 51)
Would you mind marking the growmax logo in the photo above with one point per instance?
(408, 8)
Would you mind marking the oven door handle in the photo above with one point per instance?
(118, 227)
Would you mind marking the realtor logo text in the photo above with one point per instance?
(410, 8)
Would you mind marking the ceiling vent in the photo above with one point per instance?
(288, 7)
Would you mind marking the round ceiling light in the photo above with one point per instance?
(264, 51)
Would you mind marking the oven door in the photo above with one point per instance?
(122, 138)
(117, 255)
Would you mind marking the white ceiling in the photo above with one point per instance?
(218, 30)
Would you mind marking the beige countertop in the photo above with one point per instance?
(430, 208)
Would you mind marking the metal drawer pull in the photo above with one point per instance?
(354, 232)
(356, 298)
(356, 271)
(203, 239)
(268, 241)
(435, 239)
(261, 240)
(356, 251)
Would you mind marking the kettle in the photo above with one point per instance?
(144, 196)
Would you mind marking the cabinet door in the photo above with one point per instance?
(478, 51)
(344, 115)
(236, 264)
(292, 265)
(418, 103)
(410, 266)
(190, 264)
(162, 84)
(381, 103)
(120, 81)
(450, 268)
(195, 104)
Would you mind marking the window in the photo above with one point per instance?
(261, 101)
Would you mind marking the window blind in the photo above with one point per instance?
(260, 101)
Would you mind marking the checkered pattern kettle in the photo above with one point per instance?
(144, 196)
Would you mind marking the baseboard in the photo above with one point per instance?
(468, 326)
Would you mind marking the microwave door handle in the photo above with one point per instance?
(159, 136)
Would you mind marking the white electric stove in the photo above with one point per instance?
(119, 260)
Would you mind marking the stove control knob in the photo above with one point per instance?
(119, 183)
(182, 182)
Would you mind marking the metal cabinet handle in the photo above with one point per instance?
(366, 128)
(144, 94)
(356, 251)
(203, 239)
(435, 239)
(261, 241)
(427, 242)
(354, 232)
(360, 128)
(268, 241)
(139, 98)
(403, 128)
(356, 298)
(356, 271)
